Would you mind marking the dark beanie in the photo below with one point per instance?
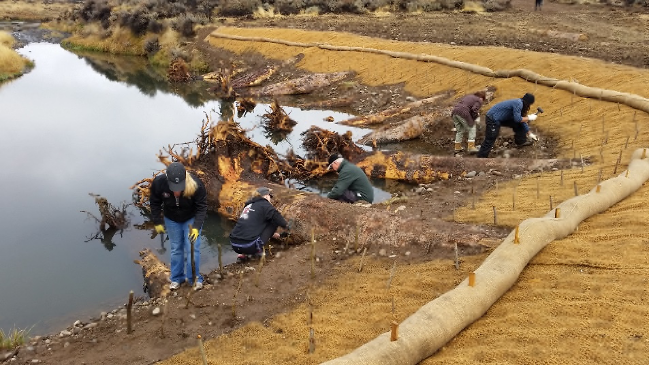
(333, 158)
(528, 98)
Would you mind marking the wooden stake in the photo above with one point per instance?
(362, 256)
(129, 317)
(600, 175)
(643, 154)
(312, 341)
(472, 279)
(456, 264)
(557, 213)
(494, 211)
(163, 317)
(598, 188)
(582, 164)
(220, 261)
(313, 253)
(259, 269)
(514, 197)
(627, 140)
(620, 155)
(234, 297)
(393, 331)
(562, 178)
(575, 187)
(550, 198)
(392, 274)
(537, 187)
(202, 349)
(627, 173)
(517, 235)
(356, 237)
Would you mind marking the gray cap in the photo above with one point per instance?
(176, 177)
(263, 191)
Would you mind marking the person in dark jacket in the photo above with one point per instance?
(257, 223)
(352, 185)
(465, 116)
(510, 113)
(179, 201)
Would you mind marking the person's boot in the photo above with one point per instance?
(471, 148)
(458, 147)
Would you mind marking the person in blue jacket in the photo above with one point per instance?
(509, 113)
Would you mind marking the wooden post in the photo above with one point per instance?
(312, 341)
(627, 173)
(600, 175)
(575, 187)
(259, 270)
(234, 297)
(393, 331)
(163, 317)
(129, 317)
(598, 188)
(514, 195)
(202, 349)
(550, 198)
(220, 261)
(472, 279)
(582, 164)
(494, 211)
(557, 213)
(517, 235)
(456, 264)
(562, 178)
(627, 140)
(356, 237)
(537, 187)
(473, 198)
(643, 154)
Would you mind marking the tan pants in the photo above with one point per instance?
(462, 127)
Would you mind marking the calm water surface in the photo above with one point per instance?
(78, 125)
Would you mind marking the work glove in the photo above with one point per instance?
(194, 234)
(532, 117)
(477, 120)
(159, 229)
(284, 234)
(532, 136)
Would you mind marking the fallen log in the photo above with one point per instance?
(156, 274)
(380, 117)
(331, 103)
(413, 127)
(416, 168)
(302, 85)
(258, 76)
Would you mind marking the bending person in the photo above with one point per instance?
(179, 200)
(256, 225)
(465, 116)
(510, 113)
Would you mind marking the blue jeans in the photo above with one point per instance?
(180, 250)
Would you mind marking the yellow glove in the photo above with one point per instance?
(194, 234)
(160, 229)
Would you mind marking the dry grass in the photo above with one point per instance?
(119, 41)
(11, 63)
(36, 10)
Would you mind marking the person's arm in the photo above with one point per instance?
(344, 181)
(516, 113)
(274, 216)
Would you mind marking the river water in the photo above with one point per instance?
(76, 125)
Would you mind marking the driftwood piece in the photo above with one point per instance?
(302, 85)
(156, 274)
(178, 72)
(380, 117)
(413, 127)
(330, 103)
(257, 77)
(277, 120)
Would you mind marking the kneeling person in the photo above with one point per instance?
(257, 223)
(352, 185)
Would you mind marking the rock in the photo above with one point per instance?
(411, 99)
(407, 254)
(77, 324)
(155, 311)
(103, 315)
(471, 174)
(277, 255)
(28, 350)
(65, 333)
(66, 344)
(400, 208)
(249, 269)
(35, 361)
(47, 341)
(456, 192)
(5, 356)
(419, 190)
(110, 316)
(218, 276)
(480, 174)
(516, 176)
(90, 325)
(76, 330)
(430, 190)
(392, 256)
(382, 252)
(193, 316)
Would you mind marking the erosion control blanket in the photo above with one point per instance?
(436, 323)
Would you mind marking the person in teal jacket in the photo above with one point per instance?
(352, 185)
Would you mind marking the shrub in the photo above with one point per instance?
(238, 7)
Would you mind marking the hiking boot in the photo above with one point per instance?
(528, 142)
(471, 148)
(197, 286)
(174, 286)
(458, 147)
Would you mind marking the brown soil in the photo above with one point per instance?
(563, 306)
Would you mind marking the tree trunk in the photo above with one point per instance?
(156, 274)
(302, 85)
